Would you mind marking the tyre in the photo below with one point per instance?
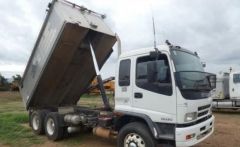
(135, 134)
(53, 129)
(29, 118)
(36, 121)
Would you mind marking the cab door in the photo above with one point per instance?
(123, 85)
(153, 90)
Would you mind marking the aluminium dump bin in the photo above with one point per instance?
(60, 67)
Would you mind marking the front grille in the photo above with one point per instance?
(202, 113)
(203, 107)
(203, 110)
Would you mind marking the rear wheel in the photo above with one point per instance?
(53, 129)
(37, 121)
(135, 135)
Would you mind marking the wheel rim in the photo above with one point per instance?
(35, 122)
(134, 140)
(50, 126)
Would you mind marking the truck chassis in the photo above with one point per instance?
(226, 104)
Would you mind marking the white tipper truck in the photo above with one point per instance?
(161, 94)
(227, 92)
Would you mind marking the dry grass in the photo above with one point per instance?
(12, 118)
(14, 129)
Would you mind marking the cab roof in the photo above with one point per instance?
(164, 48)
(143, 51)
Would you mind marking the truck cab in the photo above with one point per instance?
(234, 85)
(227, 95)
(169, 90)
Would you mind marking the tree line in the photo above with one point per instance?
(13, 85)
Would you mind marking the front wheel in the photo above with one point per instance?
(135, 134)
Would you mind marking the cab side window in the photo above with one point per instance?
(154, 74)
(236, 78)
(124, 73)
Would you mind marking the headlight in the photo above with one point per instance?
(190, 116)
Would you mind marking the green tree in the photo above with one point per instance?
(3, 80)
(4, 85)
(17, 78)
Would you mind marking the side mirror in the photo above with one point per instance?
(212, 80)
(152, 71)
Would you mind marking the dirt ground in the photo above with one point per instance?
(227, 130)
(226, 134)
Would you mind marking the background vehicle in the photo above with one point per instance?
(109, 86)
(227, 92)
(161, 94)
(14, 85)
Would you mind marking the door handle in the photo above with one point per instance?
(138, 95)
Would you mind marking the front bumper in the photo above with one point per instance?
(202, 131)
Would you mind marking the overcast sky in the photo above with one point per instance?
(210, 27)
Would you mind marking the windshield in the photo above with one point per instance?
(191, 79)
(184, 61)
